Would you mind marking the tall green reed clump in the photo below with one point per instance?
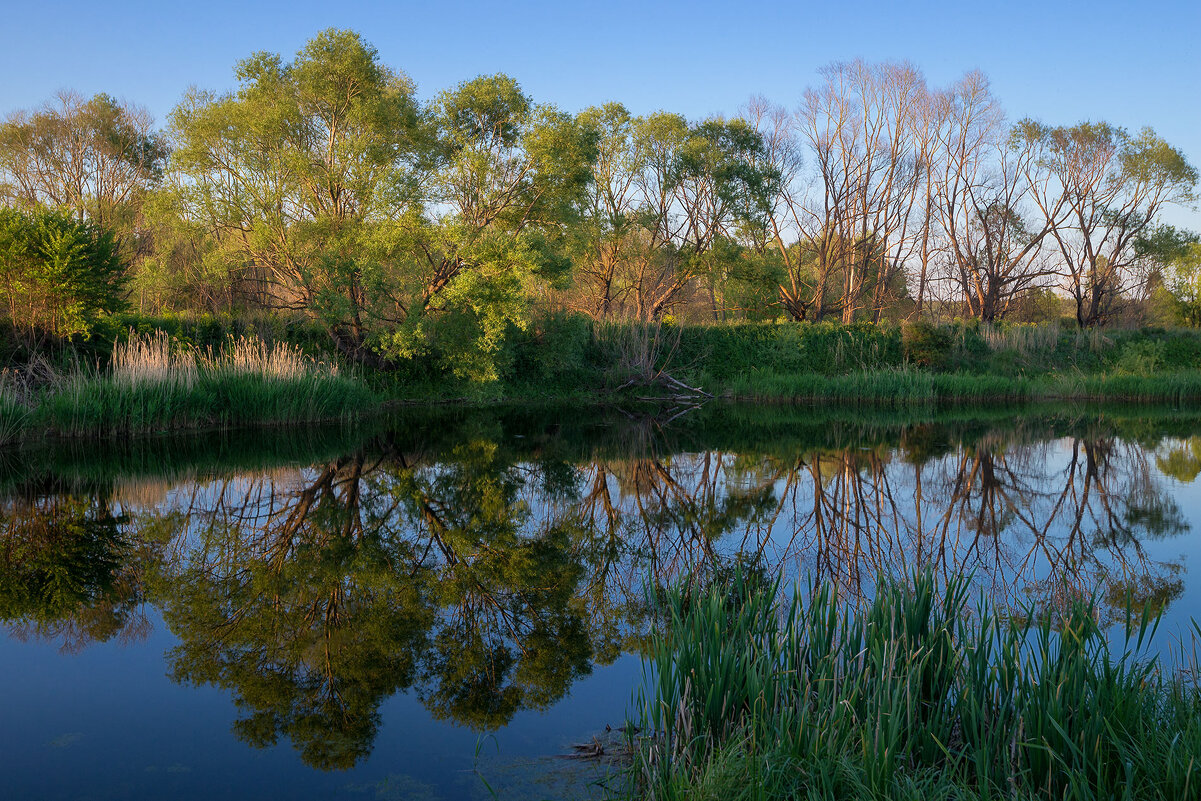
(14, 411)
(154, 384)
(918, 695)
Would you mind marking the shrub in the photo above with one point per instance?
(58, 276)
(927, 345)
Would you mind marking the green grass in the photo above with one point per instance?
(567, 358)
(91, 406)
(919, 695)
(14, 417)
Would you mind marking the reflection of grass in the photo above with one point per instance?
(912, 697)
(13, 417)
(908, 387)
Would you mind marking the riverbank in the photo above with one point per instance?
(158, 389)
(152, 385)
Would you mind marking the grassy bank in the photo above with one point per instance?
(921, 695)
(864, 364)
(193, 383)
(154, 385)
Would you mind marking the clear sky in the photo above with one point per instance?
(1130, 63)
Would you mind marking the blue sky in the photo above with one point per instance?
(1131, 64)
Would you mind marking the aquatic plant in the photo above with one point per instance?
(155, 384)
(923, 693)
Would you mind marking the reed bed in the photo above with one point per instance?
(1025, 339)
(14, 412)
(154, 384)
(152, 360)
(922, 694)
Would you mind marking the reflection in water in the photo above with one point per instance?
(488, 566)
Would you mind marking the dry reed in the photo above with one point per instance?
(151, 359)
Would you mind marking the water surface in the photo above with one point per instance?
(447, 601)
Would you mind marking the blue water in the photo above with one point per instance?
(443, 606)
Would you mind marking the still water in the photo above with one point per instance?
(440, 605)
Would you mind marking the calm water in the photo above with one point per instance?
(456, 597)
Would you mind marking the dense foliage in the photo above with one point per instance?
(58, 275)
(924, 693)
(435, 237)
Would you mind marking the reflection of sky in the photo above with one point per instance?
(110, 721)
(1186, 549)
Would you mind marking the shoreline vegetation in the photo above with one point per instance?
(923, 693)
(203, 376)
(887, 242)
(155, 385)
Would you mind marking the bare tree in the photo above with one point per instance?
(994, 247)
(863, 126)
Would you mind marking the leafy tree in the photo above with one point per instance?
(666, 210)
(1183, 281)
(95, 159)
(506, 177)
(1113, 185)
(58, 275)
(295, 171)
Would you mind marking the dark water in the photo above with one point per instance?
(442, 604)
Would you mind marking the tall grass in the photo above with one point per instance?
(919, 695)
(1024, 339)
(14, 413)
(155, 385)
(151, 360)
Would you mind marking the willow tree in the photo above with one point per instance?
(505, 178)
(294, 170)
(997, 204)
(1114, 186)
(95, 159)
(665, 211)
(866, 128)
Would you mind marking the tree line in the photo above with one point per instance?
(322, 187)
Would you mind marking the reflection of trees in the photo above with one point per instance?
(66, 570)
(486, 577)
(1044, 521)
(315, 597)
(1180, 459)
(1059, 519)
(283, 595)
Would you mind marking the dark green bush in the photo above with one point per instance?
(927, 345)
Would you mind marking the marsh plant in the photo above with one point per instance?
(156, 383)
(923, 693)
(152, 360)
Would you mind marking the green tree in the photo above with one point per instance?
(94, 159)
(58, 275)
(1114, 186)
(1183, 281)
(295, 170)
(507, 177)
